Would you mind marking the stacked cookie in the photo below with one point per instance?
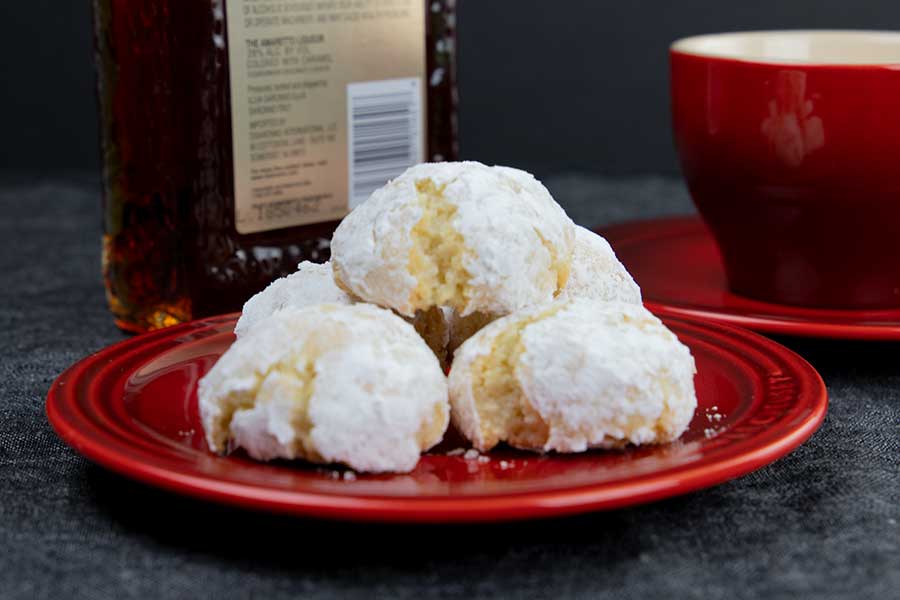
(460, 266)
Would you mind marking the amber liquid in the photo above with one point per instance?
(170, 249)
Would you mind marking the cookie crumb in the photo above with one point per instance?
(712, 414)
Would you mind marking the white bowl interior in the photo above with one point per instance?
(800, 47)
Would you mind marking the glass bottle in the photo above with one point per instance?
(214, 115)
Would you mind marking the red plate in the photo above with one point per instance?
(678, 266)
(132, 408)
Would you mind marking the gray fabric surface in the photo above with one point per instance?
(822, 522)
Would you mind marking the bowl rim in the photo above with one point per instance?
(683, 46)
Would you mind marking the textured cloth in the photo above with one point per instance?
(822, 522)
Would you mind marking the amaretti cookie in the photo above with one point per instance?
(573, 375)
(597, 273)
(312, 284)
(460, 235)
(354, 385)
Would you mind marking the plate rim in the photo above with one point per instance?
(506, 507)
(771, 322)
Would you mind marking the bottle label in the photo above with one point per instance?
(327, 102)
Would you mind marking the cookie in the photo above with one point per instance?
(353, 385)
(463, 235)
(573, 375)
(597, 273)
(312, 284)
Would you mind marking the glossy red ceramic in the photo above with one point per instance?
(678, 266)
(132, 408)
(795, 168)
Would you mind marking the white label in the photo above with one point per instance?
(384, 122)
(293, 65)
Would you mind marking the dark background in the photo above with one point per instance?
(553, 86)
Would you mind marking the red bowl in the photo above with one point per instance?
(789, 142)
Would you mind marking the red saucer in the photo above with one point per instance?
(132, 408)
(677, 265)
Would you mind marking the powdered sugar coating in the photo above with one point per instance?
(599, 375)
(597, 273)
(513, 231)
(312, 284)
(377, 395)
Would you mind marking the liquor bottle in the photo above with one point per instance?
(236, 135)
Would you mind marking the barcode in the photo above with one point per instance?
(384, 122)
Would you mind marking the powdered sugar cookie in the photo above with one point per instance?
(328, 383)
(597, 273)
(573, 375)
(460, 235)
(312, 284)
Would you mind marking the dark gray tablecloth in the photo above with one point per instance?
(822, 522)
